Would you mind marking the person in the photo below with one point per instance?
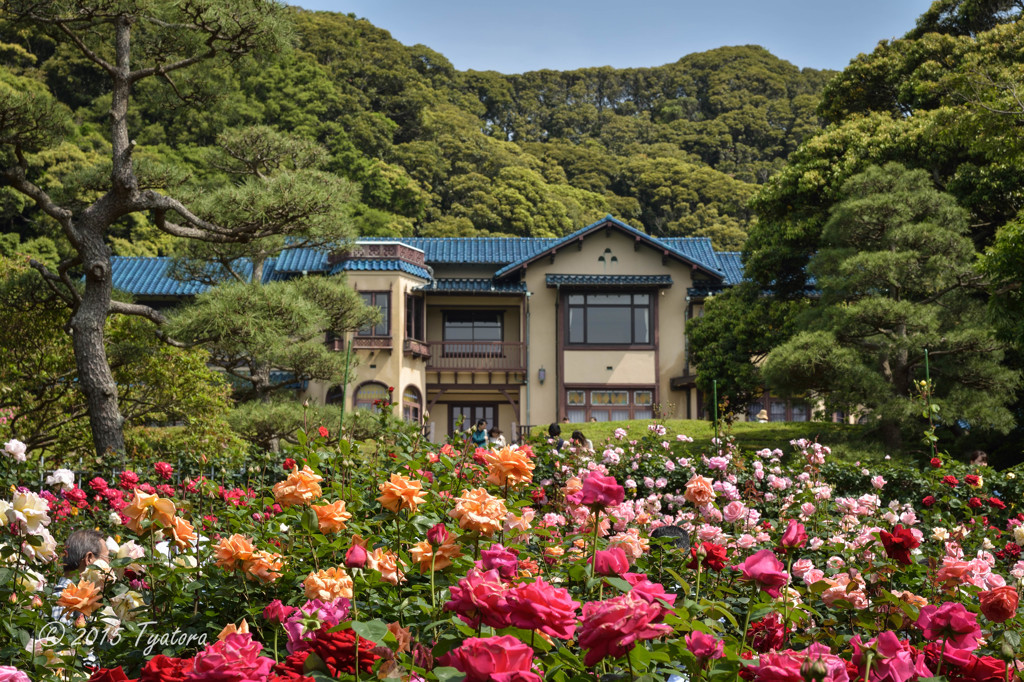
(579, 440)
(762, 417)
(979, 458)
(82, 549)
(496, 438)
(555, 434)
(479, 434)
(565, 420)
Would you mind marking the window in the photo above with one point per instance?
(799, 412)
(369, 394)
(778, 411)
(473, 333)
(752, 411)
(604, 404)
(469, 414)
(414, 318)
(609, 319)
(381, 300)
(412, 408)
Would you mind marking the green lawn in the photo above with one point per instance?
(847, 441)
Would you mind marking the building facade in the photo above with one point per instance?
(517, 332)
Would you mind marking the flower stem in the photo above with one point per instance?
(746, 625)
(629, 662)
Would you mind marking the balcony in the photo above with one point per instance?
(477, 356)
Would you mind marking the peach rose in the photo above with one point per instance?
(508, 466)
(631, 543)
(82, 598)
(699, 491)
(231, 551)
(401, 493)
(423, 554)
(385, 562)
(231, 629)
(147, 507)
(999, 604)
(479, 511)
(182, 532)
(332, 517)
(328, 584)
(264, 567)
(301, 487)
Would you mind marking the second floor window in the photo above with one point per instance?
(381, 300)
(414, 319)
(475, 332)
(609, 319)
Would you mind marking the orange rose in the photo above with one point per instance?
(301, 487)
(423, 554)
(82, 598)
(476, 510)
(231, 629)
(1000, 604)
(328, 584)
(508, 466)
(402, 635)
(699, 490)
(231, 551)
(263, 566)
(386, 563)
(182, 532)
(401, 493)
(145, 506)
(332, 517)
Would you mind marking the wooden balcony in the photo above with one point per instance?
(477, 356)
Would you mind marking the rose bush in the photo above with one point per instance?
(399, 558)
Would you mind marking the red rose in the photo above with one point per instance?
(109, 675)
(288, 464)
(936, 462)
(602, 491)
(974, 503)
(768, 633)
(504, 659)
(714, 557)
(928, 500)
(996, 502)
(323, 432)
(610, 562)
(356, 557)
(338, 651)
(972, 480)
(899, 543)
(950, 480)
(984, 669)
(162, 668)
(1000, 604)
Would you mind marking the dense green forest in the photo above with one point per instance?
(679, 148)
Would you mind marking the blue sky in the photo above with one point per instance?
(526, 35)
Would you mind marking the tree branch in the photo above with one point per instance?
(65, 291)
(85, 49)
(138, 310)
(14, 177)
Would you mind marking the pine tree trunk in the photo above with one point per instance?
(87, 331)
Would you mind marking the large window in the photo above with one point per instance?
(369, 396)
(609, 319)
(415, 325)
(381, 300)
(412, 406)
(473, 332)
(608, 404)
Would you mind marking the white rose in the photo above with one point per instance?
(130, 550)
(62, 477)
(1018, 534)
(111, 623)
(114, 518)
(98, 572)
(126, 604)
(30, 511)
(16, 449)
(940, 535)
(45, 551)
(31, 581)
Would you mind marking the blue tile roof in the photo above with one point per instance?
(698, 249)
(731, 264)
(381, 265)
(141, 276)
(467, 285)
(491, 250)
(711, 267)
(610, 280)
(303, 259)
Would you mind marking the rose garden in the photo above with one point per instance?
(650, 557)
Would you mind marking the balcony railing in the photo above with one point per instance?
(477, 356)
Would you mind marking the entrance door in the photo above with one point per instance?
(471, 413)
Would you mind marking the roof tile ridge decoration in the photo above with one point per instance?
(712, 270)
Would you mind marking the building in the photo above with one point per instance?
(514, 331)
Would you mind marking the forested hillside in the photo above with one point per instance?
(679, 148)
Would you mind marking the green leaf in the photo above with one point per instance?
(373, 630)
(448, 674)
(619, 584)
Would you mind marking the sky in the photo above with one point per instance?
(527, 35)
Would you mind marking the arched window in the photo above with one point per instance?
(412, 404)
(367, 394)
(335, 394)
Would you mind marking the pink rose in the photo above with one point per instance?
(704, 647)
(896, 661)
(236, 658)
(540, 606)
(504, 659)
(784, 666)
(480, 597)
(795, 535)
(612, 628)
(277, 612)
(356, 557)
(500, 559)
(951, 622)
(734, 511)
(813, 575)
(765, 570)
(601, 491)
(610, 562)
(12, 674)
(801, 566)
